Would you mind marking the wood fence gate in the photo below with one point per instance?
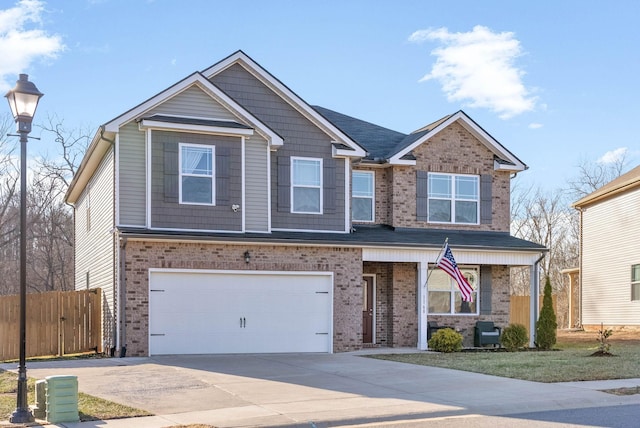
(519, 310)
(58, 323)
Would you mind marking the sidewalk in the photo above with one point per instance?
(310, 390)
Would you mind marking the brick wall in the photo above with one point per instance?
(453, 151)
(500, 301)
(346, 264)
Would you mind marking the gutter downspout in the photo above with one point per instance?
(121, 329)
(534, 300)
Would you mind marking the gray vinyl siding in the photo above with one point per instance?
(193, 102)
(611, 233)
(256, 185)
(301, 138)
(132, 176)
(167, 212)
(95, 247)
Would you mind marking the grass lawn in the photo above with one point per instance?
(570, 361)
(90, 408)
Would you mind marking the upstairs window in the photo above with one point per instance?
(453, 198)
(635, 282)
(306, 185)
(196, 174)
(362, 196)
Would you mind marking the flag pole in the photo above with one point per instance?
(446, 240)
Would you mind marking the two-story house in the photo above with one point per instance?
(227, 215)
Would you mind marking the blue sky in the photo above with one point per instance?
(556, 82)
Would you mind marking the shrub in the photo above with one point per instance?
(546, 325)
(446, 340)
(514, 337)
(604, 346)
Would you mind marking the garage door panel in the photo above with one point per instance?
(210, 312)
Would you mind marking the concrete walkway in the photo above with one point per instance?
(310, 390)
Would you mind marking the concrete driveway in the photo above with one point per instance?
(301, 389)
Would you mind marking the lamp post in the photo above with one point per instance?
(23, 100)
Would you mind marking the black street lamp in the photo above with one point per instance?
(23, 100)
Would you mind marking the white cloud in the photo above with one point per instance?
(22, 41)
(477, 68)
(613, 156)
(535, 125)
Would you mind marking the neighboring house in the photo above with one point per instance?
(610, 254)
(227, 215)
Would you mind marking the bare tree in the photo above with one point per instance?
(593, 175)
(50, 222)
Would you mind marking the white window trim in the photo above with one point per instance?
(633, 284)
(452, 293)
(293, 185)
(372, 197)
(212, 176)
(453, 199)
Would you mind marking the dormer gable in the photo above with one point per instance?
(504, 160)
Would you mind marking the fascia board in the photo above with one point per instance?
(474, 129)
(219, 130)
(287, 94)
(90, 162)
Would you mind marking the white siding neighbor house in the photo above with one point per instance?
(610, 254)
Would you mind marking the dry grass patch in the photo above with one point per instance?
(89, 408)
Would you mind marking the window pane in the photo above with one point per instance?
(362, 209)
(635, 273)
(439, 210)
(465, 307)
(197, 160)
(472, 277)
(467, 187)
(466, 212)
(306, 172)
(197, 190)
(439, 302)
(439, 280)
(362, 184)
(306, 199)
(635, 292)
(439, 186)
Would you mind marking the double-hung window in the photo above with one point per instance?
(453, 198)
(635, 282)
(306, 185)
(444, 295)
(197, 174)
(362, 196)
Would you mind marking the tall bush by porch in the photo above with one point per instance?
(546, 325)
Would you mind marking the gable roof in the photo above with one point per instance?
(239, 57)
(624, 183)
(387, 146)
(104, 137)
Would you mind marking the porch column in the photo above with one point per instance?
(423, 304)
(534, 302)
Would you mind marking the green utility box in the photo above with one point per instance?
(57, 399)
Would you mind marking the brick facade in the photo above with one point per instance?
(437, 155)
(345, 263)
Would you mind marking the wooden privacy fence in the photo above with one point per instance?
(58, 323)
(519, 310)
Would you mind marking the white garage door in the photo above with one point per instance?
(209, 312)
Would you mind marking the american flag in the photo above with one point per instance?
(447, 263)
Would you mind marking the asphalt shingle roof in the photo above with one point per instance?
(364, 236)
(378, 141)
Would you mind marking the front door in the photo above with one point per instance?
(367, 309)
